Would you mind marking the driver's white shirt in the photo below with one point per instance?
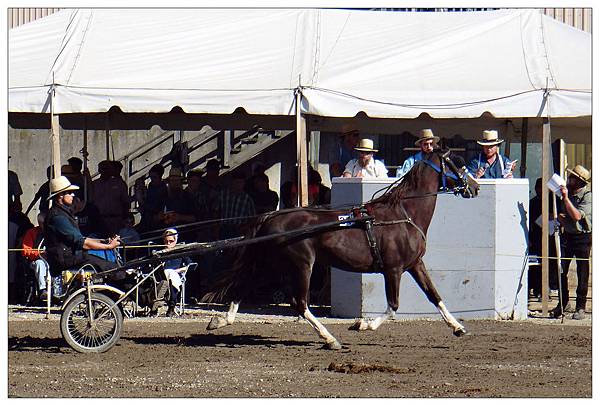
(374, 169)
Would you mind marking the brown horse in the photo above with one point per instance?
(401, 217)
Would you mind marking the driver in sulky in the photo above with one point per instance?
(66, 247)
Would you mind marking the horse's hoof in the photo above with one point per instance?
(461, 332)
(216, 322)
(359, 325)
(334, 345)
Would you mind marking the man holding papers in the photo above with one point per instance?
(490, 164)
(575, 216)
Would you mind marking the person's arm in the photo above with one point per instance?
(348, 170)
(403, 170)
(473, 166)
(382, 171)
(30, 252)
(37, 197)
(571, 210)
(93, 244)
(73, 237)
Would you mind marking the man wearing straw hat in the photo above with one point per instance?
(365, 166)
(343, 150)
(490, 164)
(575, 216)
(65, 245)
(427, 142)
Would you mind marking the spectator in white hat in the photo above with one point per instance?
(427, 142)
(490, 164)
(365, 166)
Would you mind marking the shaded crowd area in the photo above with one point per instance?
(200, 204)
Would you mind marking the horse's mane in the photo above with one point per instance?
(410, 183)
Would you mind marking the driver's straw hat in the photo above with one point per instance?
(60, 185)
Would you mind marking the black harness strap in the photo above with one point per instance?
(377, 260)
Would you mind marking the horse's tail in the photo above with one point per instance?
(235, 275)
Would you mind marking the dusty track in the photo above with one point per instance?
(278, 356)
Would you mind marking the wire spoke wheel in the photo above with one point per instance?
(91, 334)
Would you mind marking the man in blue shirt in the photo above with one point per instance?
(343, 151)
(427, 142)
(65, 245)
(490, 164)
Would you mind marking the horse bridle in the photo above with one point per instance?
(459, 175)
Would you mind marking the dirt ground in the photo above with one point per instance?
(277, 355)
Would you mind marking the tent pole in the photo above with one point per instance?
(55, 134)
(561, 172)
(301, 152)
(546, 156)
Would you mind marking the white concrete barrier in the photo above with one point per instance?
(476, 256)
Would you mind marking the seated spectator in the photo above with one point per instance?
(151, 199)
(318, 193)
(343, 150)
(365, 166)
(235, 204)
(16, 215)
(129, 235)
(289, 195)
(194, 183)
(179, 207)
(80, 178)
(258, 168)
(88, 218)
(264, 199)
(427, 142)
(210, 188)
(32, 251)
(110, 195)
(173, 269)
(14, 187)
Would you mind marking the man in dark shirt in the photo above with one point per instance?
(65, 245)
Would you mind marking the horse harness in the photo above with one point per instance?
(364, 211)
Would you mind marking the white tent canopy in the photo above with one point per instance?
(385, 64)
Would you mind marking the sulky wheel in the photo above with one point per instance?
(86, 335)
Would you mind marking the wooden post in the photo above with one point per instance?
(561, 172)
(301, 153)
(54, 135)
(523, 167)
(546, 157)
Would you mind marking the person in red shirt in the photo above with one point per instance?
(33, 251)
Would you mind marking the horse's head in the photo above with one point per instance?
(453, 173)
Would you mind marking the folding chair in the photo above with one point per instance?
(190, 267)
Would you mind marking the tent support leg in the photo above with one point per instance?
(302, 155)
(546, 156)
(55, 136)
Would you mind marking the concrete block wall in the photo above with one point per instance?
(475, 255)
